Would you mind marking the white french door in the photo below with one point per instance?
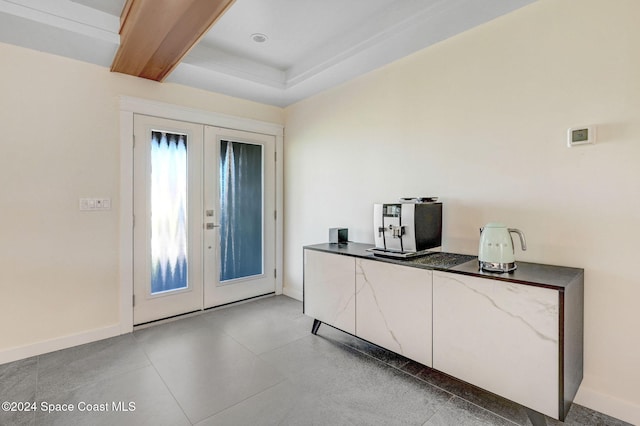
(239, 203)
(202, 235)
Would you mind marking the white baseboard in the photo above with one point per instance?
(293, 293)
(46, 346)
(609, 405)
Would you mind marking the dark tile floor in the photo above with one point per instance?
(251, 364)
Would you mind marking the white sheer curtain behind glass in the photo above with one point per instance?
(168, 212)
(241, 215)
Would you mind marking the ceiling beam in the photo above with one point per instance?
(156, 34)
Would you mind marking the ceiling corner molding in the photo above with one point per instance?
(155, 37)
(70, 17)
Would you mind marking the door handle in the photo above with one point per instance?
(209, 226)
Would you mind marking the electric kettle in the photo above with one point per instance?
(496, 252)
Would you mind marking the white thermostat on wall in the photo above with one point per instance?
(581, 135)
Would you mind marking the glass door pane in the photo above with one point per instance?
(241, 210)
(168, 212)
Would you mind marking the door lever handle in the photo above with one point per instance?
(211, 226)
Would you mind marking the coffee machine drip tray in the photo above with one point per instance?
(400, 254)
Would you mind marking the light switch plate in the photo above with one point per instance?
(95, 204)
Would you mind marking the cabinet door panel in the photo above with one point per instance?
(329, 289)
(393, 308)
(500, 336)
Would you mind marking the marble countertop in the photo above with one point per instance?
(550, 276)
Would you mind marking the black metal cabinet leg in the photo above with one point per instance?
(316, 326)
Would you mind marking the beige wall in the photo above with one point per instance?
(60, 141)
(480, 120)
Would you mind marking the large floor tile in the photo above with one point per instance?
(283, 306)
(579, 416)
(18, 384)
(363, 346)
(169, 330)
(152, 403)
(364, 389)
(249, 310)
(272, 309)
(263, 324)
(207, 376)
(296, 404)
(180, 338)
(460, 412)
(62, 371)
(487, 400)
(381, 354)
(313, 359)
(384, 355)
(321, 361)
(264, 334)
(268, 408)
(388, 397)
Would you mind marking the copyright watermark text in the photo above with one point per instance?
(47, 407)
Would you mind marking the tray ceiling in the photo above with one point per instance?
(310, 45)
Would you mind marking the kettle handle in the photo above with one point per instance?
(523, 242)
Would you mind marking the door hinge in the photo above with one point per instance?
(275, 156)
(134, 141)
(275, 273)
(275, 215)
(133, 300)
(134, 221)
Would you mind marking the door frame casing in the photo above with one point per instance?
(130, 106)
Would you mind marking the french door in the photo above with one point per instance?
(239, 203)
(204, 228)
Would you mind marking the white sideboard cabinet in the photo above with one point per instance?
(500, 336)
(393, 308)
(329, 289)
(518, 335)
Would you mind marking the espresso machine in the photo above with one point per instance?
(410, 228)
